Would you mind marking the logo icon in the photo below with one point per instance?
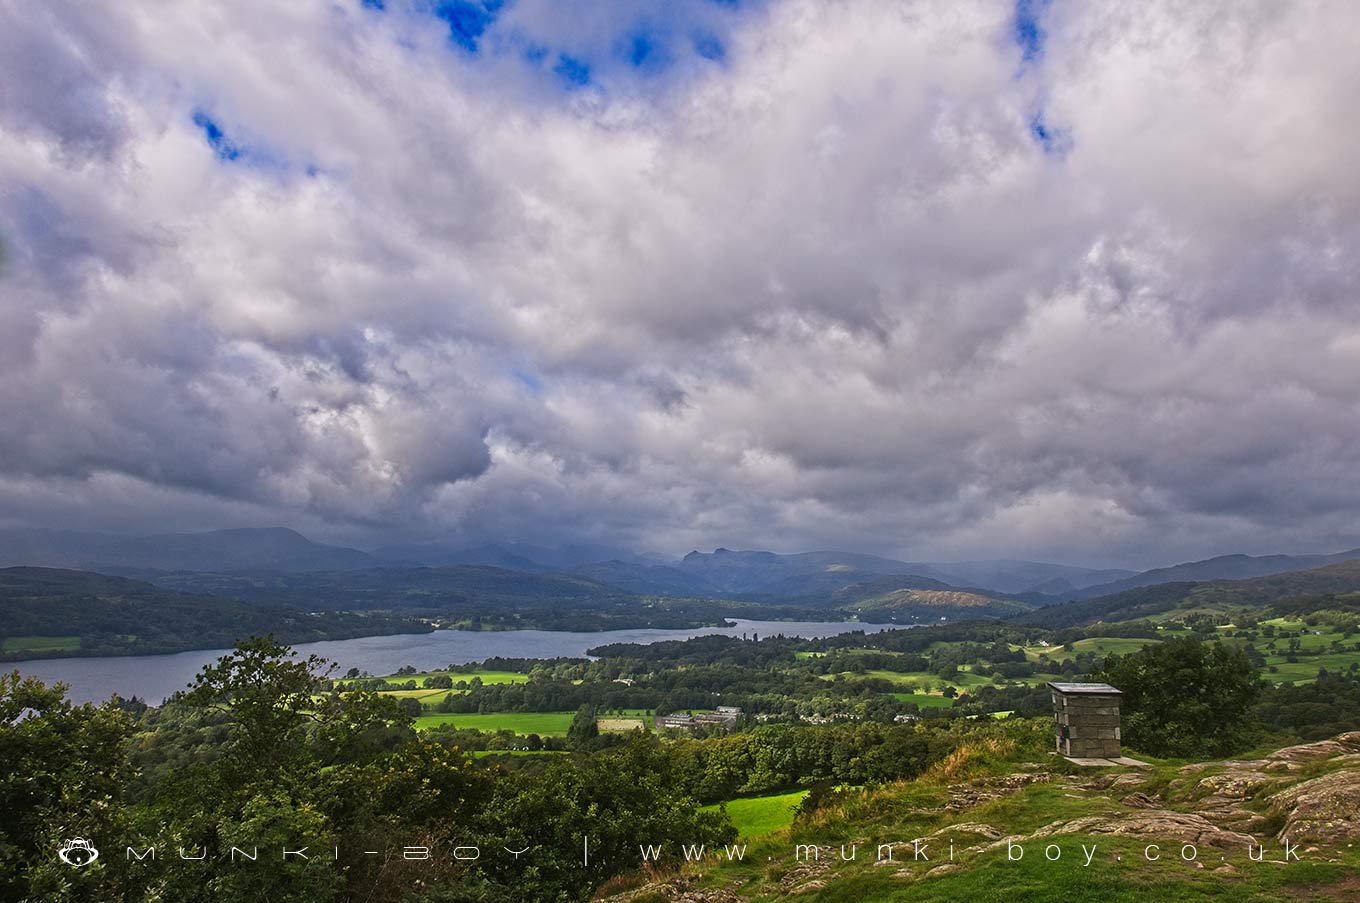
(78, 852)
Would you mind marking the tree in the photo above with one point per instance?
(1185, 698)
(584, 728)
(62, 769)
(269, 694)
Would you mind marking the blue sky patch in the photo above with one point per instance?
(641, 48)
(1053, 140)
(217, 139)
(709, 46)
(1029, 30)
(573, 72)
(468, 20)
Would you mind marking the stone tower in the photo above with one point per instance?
(1086, 719)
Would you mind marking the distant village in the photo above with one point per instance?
(724, 716)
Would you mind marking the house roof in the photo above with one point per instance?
(1091, 689)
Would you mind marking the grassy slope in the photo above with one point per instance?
(946, 800)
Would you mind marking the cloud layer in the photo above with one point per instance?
(933, 279)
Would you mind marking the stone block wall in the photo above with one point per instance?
(1087, 725)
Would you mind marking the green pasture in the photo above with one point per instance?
(545, 724)
(40, 643)
(756, 816)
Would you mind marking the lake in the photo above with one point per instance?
(154, 677)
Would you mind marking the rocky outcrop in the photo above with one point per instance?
(1312, 790)
(975, 793)
(1153, 825)
(1325, 809)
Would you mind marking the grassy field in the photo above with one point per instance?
(545, 724)
(40, 643)
(1101, 645)
(925, 701)
(621, 724)
(757, 816)
(487, 677)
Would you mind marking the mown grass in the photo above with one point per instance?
(758, 816)
(487, 677)
(545, 724)
(925, 700)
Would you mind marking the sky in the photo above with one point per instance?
(941, 280)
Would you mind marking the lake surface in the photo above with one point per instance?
(154, 677)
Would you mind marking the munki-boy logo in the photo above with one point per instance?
(78, 852)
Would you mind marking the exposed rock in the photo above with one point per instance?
(1236, 783)
(1307, 752)
(969, 829)
(679, 889)
(975, 793)
(1122, 781)
(1325, 809)
(1155, 824)
(1140, 801)
(1291, 758)
(1115, 782)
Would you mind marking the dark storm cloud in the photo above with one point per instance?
(930, 279)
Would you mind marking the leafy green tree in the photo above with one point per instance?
(619, 798)
(583, 729)
(1185, 697)
(62, 770)
(270, 696)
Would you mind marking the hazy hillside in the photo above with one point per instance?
(928, 604)
(514, 556)
(417, 588)
(1146, 601)
(759, 572)
(1224, 567)
(250, 549)
(116, 615)
(1008, 576)
(648, 579)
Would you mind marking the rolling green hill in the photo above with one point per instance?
(1218, 595)
(929, 604)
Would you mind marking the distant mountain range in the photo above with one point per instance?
(1224, 567)
(1341, 578)
(70, 592)
(278, 566)
(756, 574)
